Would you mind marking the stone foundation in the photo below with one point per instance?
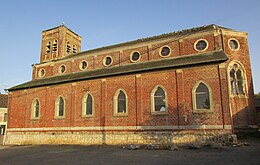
(117, 137)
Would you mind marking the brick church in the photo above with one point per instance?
(180, 87)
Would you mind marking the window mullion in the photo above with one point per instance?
(236, 82)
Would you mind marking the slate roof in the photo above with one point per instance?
(168, 63)
(3, 100)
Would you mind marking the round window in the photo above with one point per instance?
(83, 65)
(165, 51)
(233, 44)
(62, 68)
(201, 45)
(107, 61)
(135, 56)
(42, 72)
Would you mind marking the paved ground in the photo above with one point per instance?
(68, 155)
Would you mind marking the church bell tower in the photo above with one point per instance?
(59, 42)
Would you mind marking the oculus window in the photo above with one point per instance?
(135, 57)
(165, 51)
(233, 44)
(201, 45)
(107, 61)
(83, 65)
(41, 72)
(62, 69)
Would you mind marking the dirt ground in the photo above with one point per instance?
(75, 154)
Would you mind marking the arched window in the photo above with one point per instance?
(159, 100)
(68, 48)
(54, 46)
(233, 81)
(48, 47)
(60, 107)
(240, 82)
(202, 97)
(120, 103)
(74, 49)
(35, 108)
(237, 82)
(87, 105)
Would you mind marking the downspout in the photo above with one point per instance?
(230, 110)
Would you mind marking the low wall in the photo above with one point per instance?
(1, 139)
(116, 137)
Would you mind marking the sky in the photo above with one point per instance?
(107, 22)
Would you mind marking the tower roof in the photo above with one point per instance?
(61, 26)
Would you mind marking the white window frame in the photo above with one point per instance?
(84, 110)
(115, 103)
(153, 112)
(33, 109)
(57, 108)
(195, 110)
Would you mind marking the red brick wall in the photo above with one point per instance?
(149, 52)
(155, 50)
(242, 107)
(187, 44)
(139, 110)
(125, 57)
(178, 84)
